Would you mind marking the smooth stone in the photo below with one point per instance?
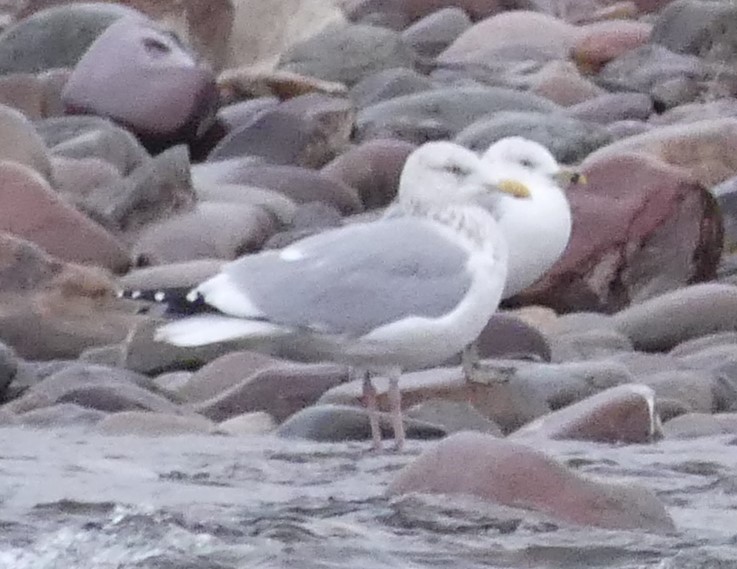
(211, 231)
(668, 409)
(172, 275)
(348, 53)
(307, 131)
(602, 42)
(696, 27)
(625, 129)
(113, 80)
(148, 424)
(562, 83)
(256, 423)
(719, 362)
(510, 474)
(23, 92)
(453, 416)
(9, 364)
(27, 147)
(726, 196)
(613, 107)
(695, 425)
(57, 37)
(95, 387)
(621, 414)
(262, 31)
(500, 32)
(234, 115)
(339, 423)
(643, 363)
(50, 309)
(432, 34)
(172, 382)
(696, 112)
(661, 323)
(242, 85)
(83, 137)
(582, 321)
(60, 415)
(694, 389)
(278, 205)
(76, 179)
(309, 219)
(700, 343)
(563, 384)
(372, 168)
(510, 404)
(646, 68)
(590, 345)
(405, 12)
(298, 184)
(32, 210)
(387, 84)
(569, 140)
(633, 238)
(441, 113)
(242, 382)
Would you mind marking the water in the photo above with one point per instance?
(72, 499)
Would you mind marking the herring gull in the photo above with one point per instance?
(537, 230)
(408, 290)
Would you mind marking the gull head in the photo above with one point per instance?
(520, 158)
(444, 173)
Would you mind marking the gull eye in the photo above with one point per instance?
(527, 163)
(457, 170)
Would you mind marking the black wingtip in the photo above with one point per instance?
(178, 301)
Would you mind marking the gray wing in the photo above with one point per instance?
(356, 278)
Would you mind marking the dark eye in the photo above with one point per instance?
(457, 170)
(527, 163)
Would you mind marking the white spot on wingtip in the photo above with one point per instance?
(135, 294)
(159, 296)
(192, 295)
(291, 254)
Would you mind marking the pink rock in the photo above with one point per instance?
(633, 236)
(703, 148)
(622, 414)
(562, 83)
(510, 474)
(139, 76)
(30, 209)
(601, 42)
(511, 29)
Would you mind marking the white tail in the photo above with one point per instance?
(211, 328)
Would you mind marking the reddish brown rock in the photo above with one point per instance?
(601, 42)
(114, 79)
(30, 209)
(562, 83)
(633, 237)
(510, 474)
(53, 310)
(243, 382)
(622, 414)
(373, 168)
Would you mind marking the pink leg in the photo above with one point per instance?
(369, 399)
(395, 408)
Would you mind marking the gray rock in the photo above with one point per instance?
(348, 53)
(338, 423)
(8, 367)
(581, 322)
(569, 139)
(698, 28)
(147, 424)
(726, 195)
(96, 387)
(694, 389)
(567, 383)
(56, 37)
(694, 425)
(660, 323)
(642, 363)
(388, 84)
(278, 205)
(453, 416)
(441, 113)
(87, 136)
(256, 423)
(591, 345)
(432, 34)
(703, 342)
(613, 107)
(60, 415)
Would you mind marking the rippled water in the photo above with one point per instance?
(78, 500)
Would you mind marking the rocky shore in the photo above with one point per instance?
(145, 143)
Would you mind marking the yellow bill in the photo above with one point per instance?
(514, 188)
